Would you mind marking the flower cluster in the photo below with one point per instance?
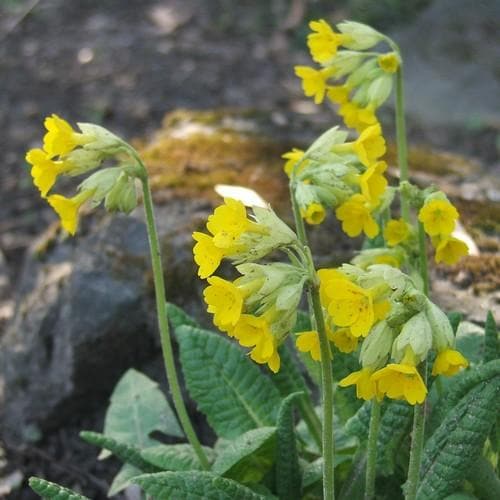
(439, 218)
(259, 308)
(71, 153)
(382, 308)
(345, 176)
(356, 79)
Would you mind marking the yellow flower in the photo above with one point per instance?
(450, 250)
(438, 217)
(293, 157)
(356, 217)
(338, 94)
(325, 276)
(67, 208)
(370, 145)
(314, 214)
(373, 182)
(60, 138)
(44, 170)
(381, 309)
(206, 255)
(323, 42)
(344, 340)
(389, 62)
(365, 387)
(309, 342)
(224, 300)
(356, 117)
(313, 81)
(396, 231)
(350, 306)
(229, 222)
(449, 362)
(400, 381)
(255, 332)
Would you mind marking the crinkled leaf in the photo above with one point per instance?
(491, 350)
(288, 473)
(138, 408)
(53, 491)
(194, 485)
(248, 457)
(123, 479)
(175, 457)
(178, 316)
(228, 387)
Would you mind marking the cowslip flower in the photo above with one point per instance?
(449, 362)
(366, 388)
(400, 381)
(314, 214)
(206, 255)
(450, 250)
(229, 221)
(370, 145)
(396, 231)
(67, 208)
(372, 182)
(356, 217)
(45, 170)
(438, 217)
(314, 81)
(309, 342)
(338, 94)
(60, 138)
(292, 158)
(224, 300)
(351, 306)
(344, 340)
(389, 62)
(356, 117)
(324, 42)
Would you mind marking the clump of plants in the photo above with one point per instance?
(404, 410)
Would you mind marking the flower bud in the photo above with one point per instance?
(122, 197)
(377, 346)
(380, 89)
(417, 334)
(101, 182)
(103, 140)
(361, 36)
(442, 333)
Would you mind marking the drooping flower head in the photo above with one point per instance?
(323, 42)
(373, 183)
(389, 62)
(67, 209)
(224, 300)
(366, 388)
(60, 138)
(314, 214)
(206, 255)
(450, 250)
(292, 158)
(370, 145)
(396, 232)
(45, 170)
(449, 362)
(314, 82)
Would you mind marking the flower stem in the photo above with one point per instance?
(166, 342)
(401, 142)
(326, 365)
(371, 461)
(417, 441)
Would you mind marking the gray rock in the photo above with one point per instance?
(84, 314)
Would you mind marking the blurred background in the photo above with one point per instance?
(125, 64)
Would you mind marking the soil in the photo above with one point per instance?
(124, 65)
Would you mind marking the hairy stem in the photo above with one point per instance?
(326, 365)
(166, 341)
(371, 460)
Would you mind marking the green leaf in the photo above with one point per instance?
(194, 485)
(179, 317)
(288, 473)
(228, 387)
(175, 457)
(123, 451)
(394, 426)
(248, 457)
(359, 423)
(490, 339)
(123, 479)
(455, 318)
(289, 379)
(53, 491)
(138, 408)
(458, 441)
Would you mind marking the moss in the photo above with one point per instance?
(478, 214)
(194, 151)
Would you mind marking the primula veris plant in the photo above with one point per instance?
(373, 341)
